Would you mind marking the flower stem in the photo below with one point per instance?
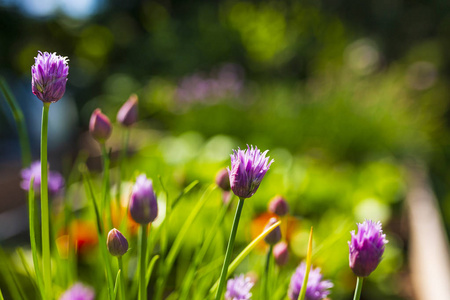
(105, 201)
(122, 278)
(46, 258)
(143, 264)
(122, 156)
(359, 283)
(266, 280)
(223, 274)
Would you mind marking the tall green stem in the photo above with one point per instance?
(105, 188)
(46, 258)
(359, 283)
(226, 263)
(20, 123)
(143, 263)
(266, 281)
(122, 278)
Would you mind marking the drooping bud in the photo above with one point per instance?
(100, 126)
(275, 235)
(279, 206)
(366, 248)
(117, 244)
(223, 180)
(128, 113)
(281, 253)
(143, 204)
(49, 76)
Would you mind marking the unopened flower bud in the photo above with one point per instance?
(100, 126)
(223, 179)
(275, 235)
(143, 204)
(278, 206)
(128, 113)
(281, 253)
(117, 244)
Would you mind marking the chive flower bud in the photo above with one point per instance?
(316, 288)
(100, 126)
(223, 180)
(78, 291)
(275, 235)
(248, 168)
(117, 244)
(143, 204)
(238, 288)
(128, 113)
(366, 248)
(281, 253)
(49, 76)
(279, 206)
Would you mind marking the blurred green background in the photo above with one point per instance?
(344, 94)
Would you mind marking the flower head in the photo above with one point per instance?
(275, 235)
(316, 289)
(248, 168)
(238, 288)
(100, 126)
(117, 244)
(78, 291)
(281, 253)
(128, 113)
(143, 205)
(55, 180)
(279, 206)
(366, 248)
(49, 76)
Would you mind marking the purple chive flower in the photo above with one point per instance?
(49, 76)
(316, 289)
(281, 253)
(55, 180)
(117, 244)
(278, 206)
(248, 168)
(78, 291)
(128, 113)
(366, 248)
(238, 288)
(143, 205)
(223, 180)
(100, 126)
(275, 235)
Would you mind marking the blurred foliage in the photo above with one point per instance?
(344, 93)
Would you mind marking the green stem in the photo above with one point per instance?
(266, 280)
(122, 156)
(359, 283)
(105, 201)
(34, 248)
(46, 258)
(143, 264)
(122, 282)
(20, 123)
(223, 274)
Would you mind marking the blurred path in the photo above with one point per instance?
(428, 248)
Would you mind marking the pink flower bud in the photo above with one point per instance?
(128, 113)
(281, 253)
(100, 126)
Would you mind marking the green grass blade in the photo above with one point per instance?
(20, 123)
(150, 268)
(117, 284)
(302, 294)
